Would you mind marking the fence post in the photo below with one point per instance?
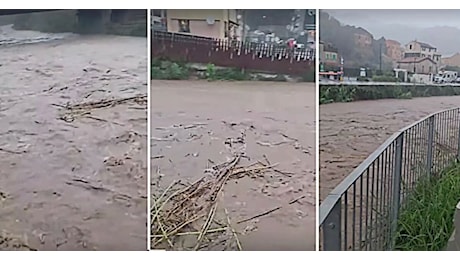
(396, 187)
(429, 154)
(332, 228)
(458, 140)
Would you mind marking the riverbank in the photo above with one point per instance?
(330, 93)
(169, 70)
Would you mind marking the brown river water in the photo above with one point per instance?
(78, 184)
(349, 132)
(265, 112)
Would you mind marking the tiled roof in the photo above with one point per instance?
(415, 60)
(424, 45)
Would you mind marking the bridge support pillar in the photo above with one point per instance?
(93, 21)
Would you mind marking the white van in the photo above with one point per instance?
(446, 77)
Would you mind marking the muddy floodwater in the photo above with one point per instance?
(73, 135)
(349, 132)
(192, 123)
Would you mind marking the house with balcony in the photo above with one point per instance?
(419, 50)
(213, 23)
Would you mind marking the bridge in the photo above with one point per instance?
(23, 11)
(122, 21)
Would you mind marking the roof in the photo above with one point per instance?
(424, 45)
(415, 60)
(392, 42)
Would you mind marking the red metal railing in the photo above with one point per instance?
(231, 53)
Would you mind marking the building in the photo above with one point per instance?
(214, 23)
(453, 60)
(159, 21)
(394, 50)
(328, 56)
(418, 65)
(420, 50)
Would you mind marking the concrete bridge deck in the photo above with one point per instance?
(24, 11)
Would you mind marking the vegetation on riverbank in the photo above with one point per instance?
(331, 94)
(170, 70)
(426, 223)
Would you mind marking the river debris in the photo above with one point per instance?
(184, 218)
(12, 242)
(71, 112)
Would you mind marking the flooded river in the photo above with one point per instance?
(192, 122)
(349, 132)
(72, 179)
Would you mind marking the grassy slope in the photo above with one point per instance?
(426, 223)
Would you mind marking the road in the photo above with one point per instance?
(349, 132)
(72, 179)
(264, 112)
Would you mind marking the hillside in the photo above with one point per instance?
(343, 38)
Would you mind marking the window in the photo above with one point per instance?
(429, 69)
(423, 49)
(334, 57)
(184, 26)
(410, 47)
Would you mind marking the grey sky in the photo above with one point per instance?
(413, 18)
(438, 27)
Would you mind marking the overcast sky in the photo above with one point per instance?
(440, 28)
(373, 19)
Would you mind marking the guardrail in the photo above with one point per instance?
(361, 213)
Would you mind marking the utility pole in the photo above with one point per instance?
(380, 57)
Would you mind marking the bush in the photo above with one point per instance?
(212, 73)
(169, 70)
(426, 224)
(345, 93)
(385, 78)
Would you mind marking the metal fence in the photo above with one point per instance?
(231, 53)
(361, 213)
